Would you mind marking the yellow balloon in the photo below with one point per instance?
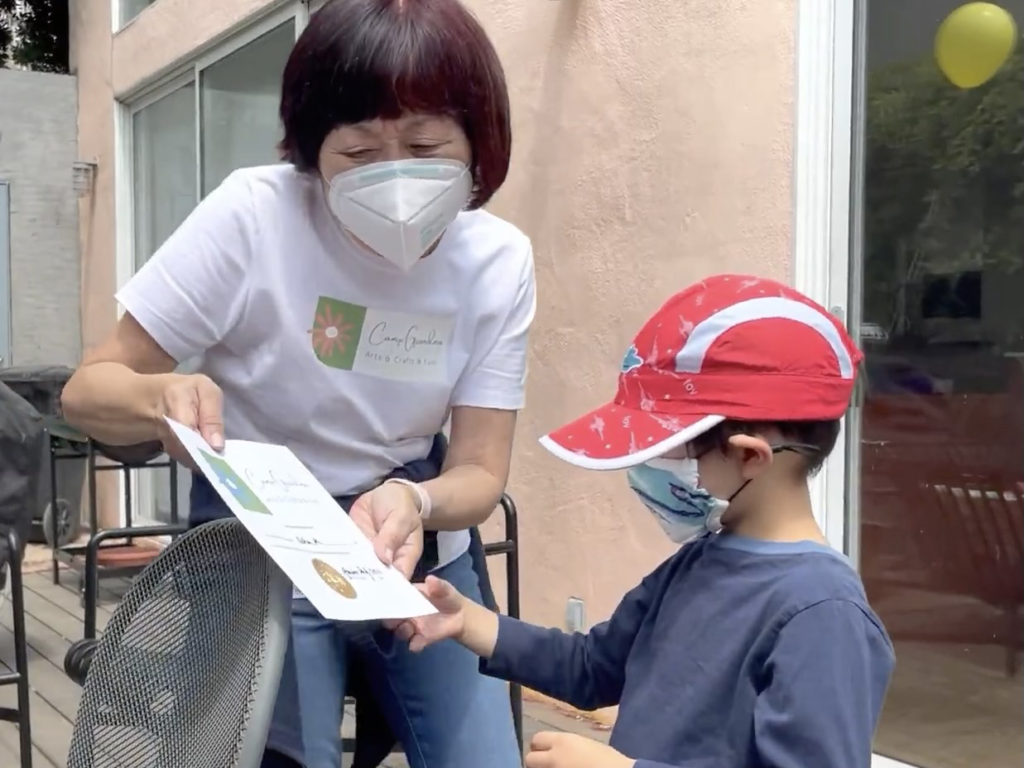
(973, 42)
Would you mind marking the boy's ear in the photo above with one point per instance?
(755, 453)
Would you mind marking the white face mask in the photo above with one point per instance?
(400, 208)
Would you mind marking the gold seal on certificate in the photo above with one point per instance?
(333, 579)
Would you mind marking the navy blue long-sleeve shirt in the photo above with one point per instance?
(733, 653)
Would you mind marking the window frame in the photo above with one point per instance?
(822, 168)
(190, 72)
(125, 109)
(828, 182)
(117, 23)
(6, 292)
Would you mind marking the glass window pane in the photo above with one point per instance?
(164, 189)
(132, 8)
(164, 168)
(942, 452)
(240, 95)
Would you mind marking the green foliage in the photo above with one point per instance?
(35, 34)
(7, 21)
(944, 181)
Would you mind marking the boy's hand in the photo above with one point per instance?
(449, 622)
(567, 750)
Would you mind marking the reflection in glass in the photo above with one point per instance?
(942, 452)
(132, 8)
(163, 168)
(164, 194)
(239, 127)
(240, 95)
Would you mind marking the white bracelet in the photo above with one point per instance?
(425, 504)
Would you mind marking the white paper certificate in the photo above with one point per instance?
(304, 530)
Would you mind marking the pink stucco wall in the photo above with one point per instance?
(653, 145)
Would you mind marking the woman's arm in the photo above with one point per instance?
(113, 395)
(126, 385)
(475, 469)
(485, 401)
(183, 301)
(466, 492)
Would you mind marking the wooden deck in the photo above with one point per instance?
(53, 620)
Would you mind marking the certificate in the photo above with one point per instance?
(304, 530)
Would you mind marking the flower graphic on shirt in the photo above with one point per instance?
(337, 326)
(331, 334)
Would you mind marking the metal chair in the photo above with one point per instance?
(510, 549)
(109, 551)
(371, 754)
(18, 675)
(186, 672)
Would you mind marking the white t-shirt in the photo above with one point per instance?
(329, 349)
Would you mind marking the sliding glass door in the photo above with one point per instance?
(186, 138)
(938, 494)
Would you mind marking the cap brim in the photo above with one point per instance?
(613, 437)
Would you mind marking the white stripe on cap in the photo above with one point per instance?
(691, 357)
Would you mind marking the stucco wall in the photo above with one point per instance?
(653, 144)
(168, 32)
(90, 60)
(37, 149)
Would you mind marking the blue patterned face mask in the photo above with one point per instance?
(670, 488)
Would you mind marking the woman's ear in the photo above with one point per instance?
(755, 454)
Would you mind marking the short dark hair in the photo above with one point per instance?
(818, 435)
(361, 60)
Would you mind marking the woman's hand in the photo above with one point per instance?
(195, 401)
(567, 750)
(389, 516)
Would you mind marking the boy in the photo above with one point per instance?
(754, 644)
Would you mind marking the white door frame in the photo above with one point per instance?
(827, 160)
(6, 294)
(821, 248)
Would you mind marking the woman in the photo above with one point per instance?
(346, 304)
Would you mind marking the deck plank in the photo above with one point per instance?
(51, 731)
(45, 678)
(10, 752)
(53, 621)
(51, 627)
(65, 595)
(54, 617)
(42, 640)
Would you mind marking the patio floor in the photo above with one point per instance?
(54, 620)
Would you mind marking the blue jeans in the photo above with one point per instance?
(444, 712)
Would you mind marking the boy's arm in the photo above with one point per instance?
(480, 629)
(585, 671)
(828, 674)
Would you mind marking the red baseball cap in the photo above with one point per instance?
(728, 347)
